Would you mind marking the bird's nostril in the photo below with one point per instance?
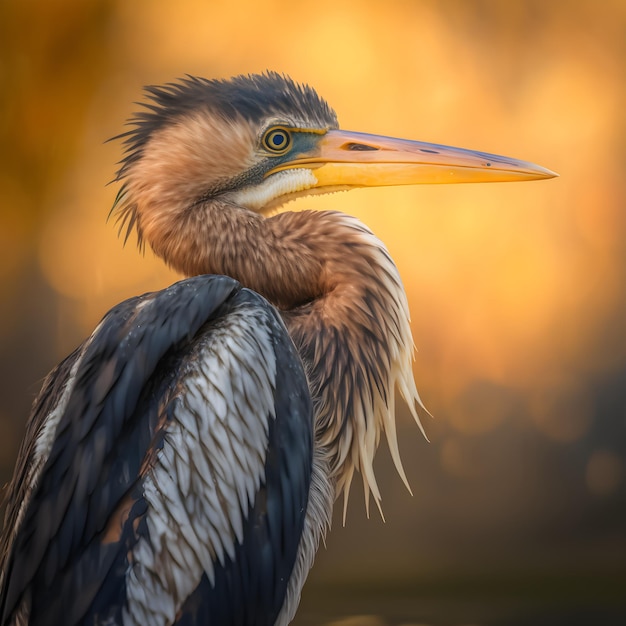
(358, 147)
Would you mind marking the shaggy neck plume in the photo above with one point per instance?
(342, 299)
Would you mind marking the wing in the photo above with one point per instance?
(170, 461)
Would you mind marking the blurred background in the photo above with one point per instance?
(517, 291)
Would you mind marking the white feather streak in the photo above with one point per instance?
(209, 468)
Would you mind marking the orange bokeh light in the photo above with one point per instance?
(517, 291)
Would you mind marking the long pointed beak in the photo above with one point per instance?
(344, 159)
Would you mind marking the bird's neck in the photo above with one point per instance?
(356, 340)
(269, 256)
(344, 305)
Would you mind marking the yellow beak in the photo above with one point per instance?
(347, 159)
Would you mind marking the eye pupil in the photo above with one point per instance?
(277, 140)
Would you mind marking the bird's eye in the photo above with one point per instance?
(277, 140)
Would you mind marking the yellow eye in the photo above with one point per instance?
(277, 140)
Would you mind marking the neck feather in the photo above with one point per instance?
(266, 255)
(356, 340)
(345, 307)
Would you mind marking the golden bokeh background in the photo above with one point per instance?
(517, 291)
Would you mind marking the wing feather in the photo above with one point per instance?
(84, 499)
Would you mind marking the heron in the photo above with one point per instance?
(182, 464)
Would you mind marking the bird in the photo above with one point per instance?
(182, 464)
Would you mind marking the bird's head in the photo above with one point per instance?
(230, 141)
(256, 142)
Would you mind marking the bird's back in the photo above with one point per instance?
(166, 468)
